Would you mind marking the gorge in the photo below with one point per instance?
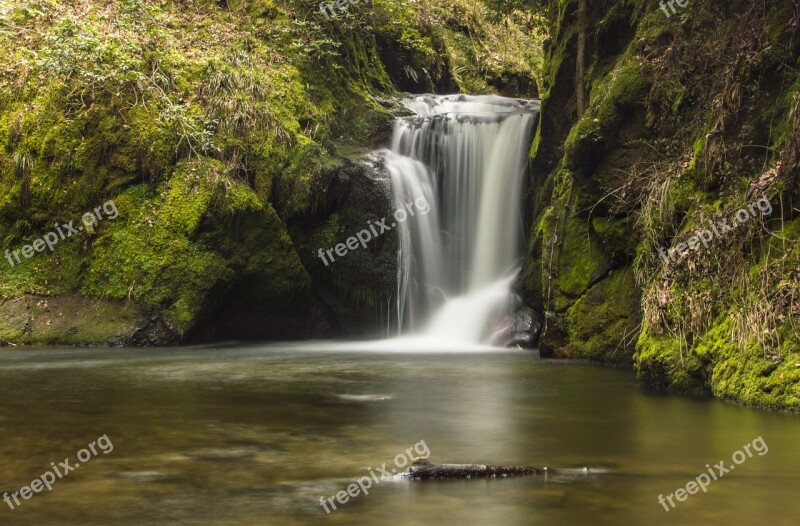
(495, 227)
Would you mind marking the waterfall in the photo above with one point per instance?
(466, 156)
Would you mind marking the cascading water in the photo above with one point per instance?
(466, 156)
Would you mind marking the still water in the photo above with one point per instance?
(257, 434)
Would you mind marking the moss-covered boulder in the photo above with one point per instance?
(608, 312)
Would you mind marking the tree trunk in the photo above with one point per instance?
(580, 69)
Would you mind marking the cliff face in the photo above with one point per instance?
(226, 135)
(691, 121)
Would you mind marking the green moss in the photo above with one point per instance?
(697, 150)
(579, 261)
(200, 122)
(671, 140)
(611, 99)
(665, 362)
(273, 273)
(67, 319)
(150, 252)
(603, 323)
(623, 89)
(616, 237)
(330, 233)
(749, 352)
(747, 375)
(585, 142)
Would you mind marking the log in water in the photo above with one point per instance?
(422, 469)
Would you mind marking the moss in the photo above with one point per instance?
(208, 126)
(697, 149)
(580, 260)
(611, 99)
(67, 320)
(330, 233)
(616, 237)
(148, 255)
(256, 8)
(47, 273)
(532, 285)
(585, 142)
(603, 323)
(749, 352)
(667, 144)
(747, 375)
(153, 252)
(623, 89)
(665, 362)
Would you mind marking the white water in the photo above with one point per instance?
(466, 155)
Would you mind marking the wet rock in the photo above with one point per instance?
(154, 331)
(519, 330)
(355, 289)
(553, 341)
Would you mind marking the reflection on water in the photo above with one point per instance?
(256, 435)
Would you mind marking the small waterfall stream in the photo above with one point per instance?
(466, 156)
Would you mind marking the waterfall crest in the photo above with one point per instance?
(466, 156)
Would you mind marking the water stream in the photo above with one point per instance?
(255, 435)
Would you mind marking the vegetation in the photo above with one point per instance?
(689, 119)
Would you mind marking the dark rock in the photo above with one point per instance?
(153, 331)
(519, 329)
(553, 339)
(356, 290)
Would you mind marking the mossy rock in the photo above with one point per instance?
(603, 323)
(71, 319)
(664, 362)
(581, 262)
(746, 375)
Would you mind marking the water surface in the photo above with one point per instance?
(257, 434)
